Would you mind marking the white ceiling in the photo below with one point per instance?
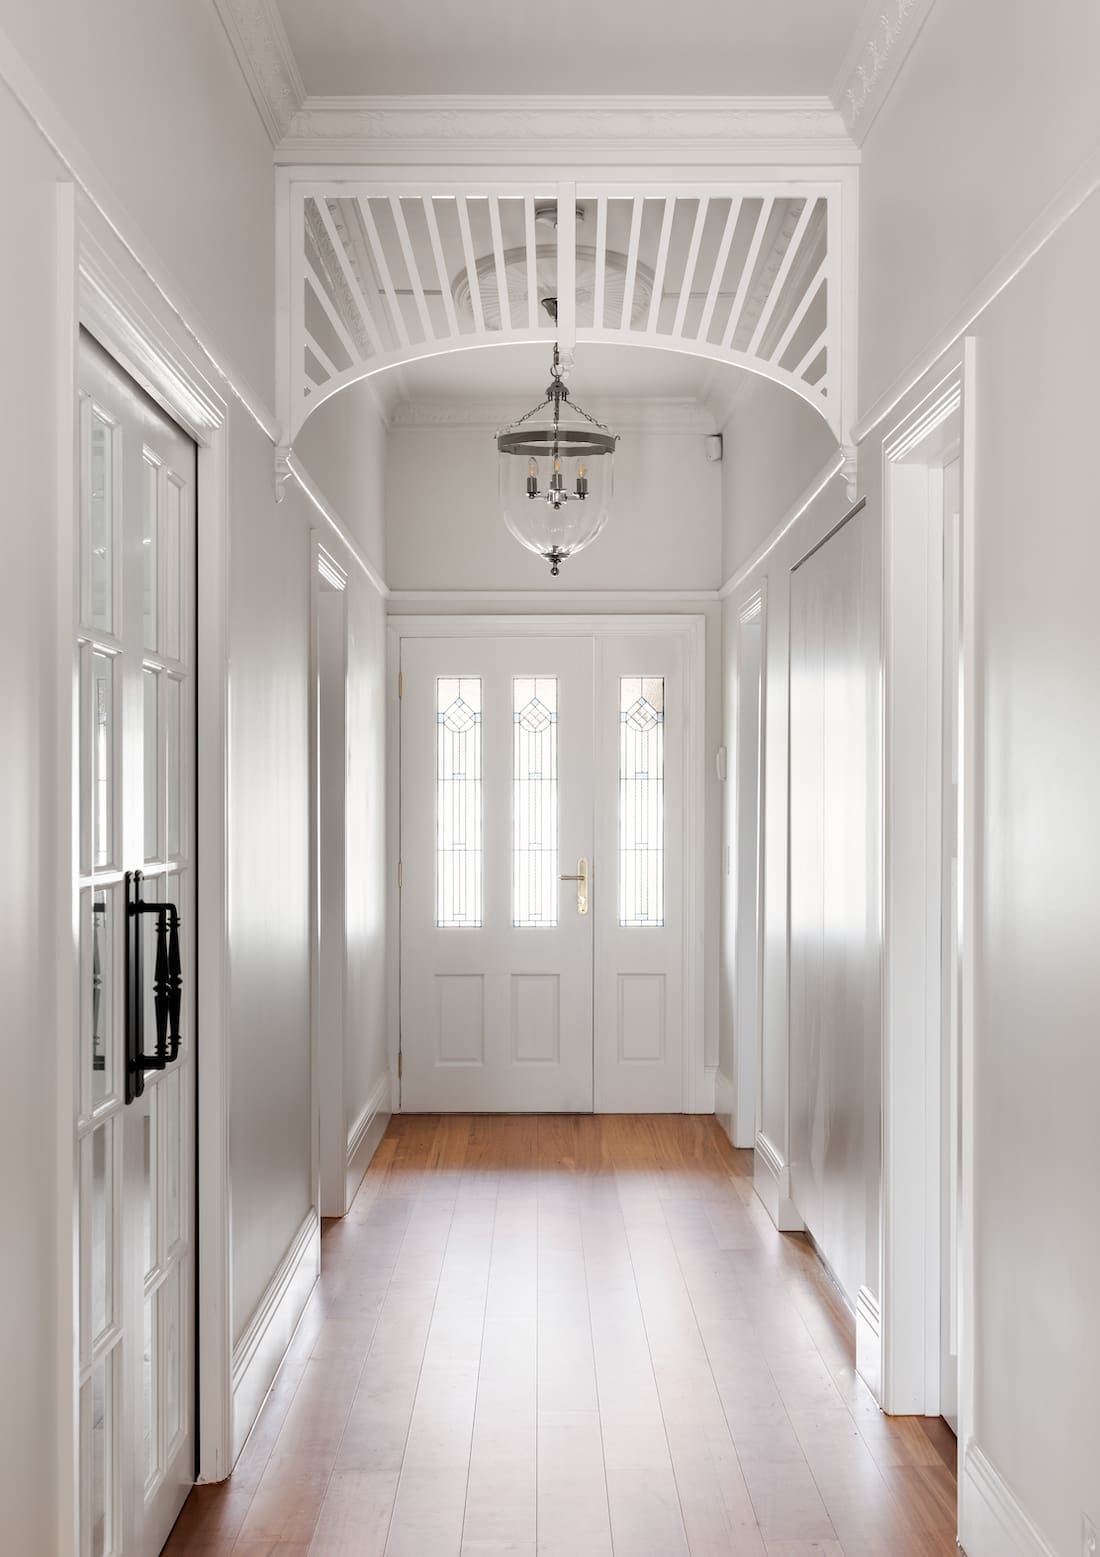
(604, 47)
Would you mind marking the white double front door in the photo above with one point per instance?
(542, 862)
(134, 890)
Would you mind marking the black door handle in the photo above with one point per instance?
(167, 987)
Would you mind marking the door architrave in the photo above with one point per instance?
(102, 287)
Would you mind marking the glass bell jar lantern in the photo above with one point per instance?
(556, 466)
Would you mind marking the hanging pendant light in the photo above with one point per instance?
(556, 466)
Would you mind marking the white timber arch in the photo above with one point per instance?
(379, 268)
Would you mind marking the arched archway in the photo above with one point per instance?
(747, 274)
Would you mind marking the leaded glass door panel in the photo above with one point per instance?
(135, 715)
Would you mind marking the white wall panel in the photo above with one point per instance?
(269, 1134)
(833, 684)
(366, 1062)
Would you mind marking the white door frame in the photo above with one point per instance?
(102, 287)
(328, 963)
(748, 1066)
(698, 1082)
(913, 454)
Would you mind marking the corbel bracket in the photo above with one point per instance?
(282, 470)
(850, 470)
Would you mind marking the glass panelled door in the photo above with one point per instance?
(135, 714)
(542, 828)
(496, 977)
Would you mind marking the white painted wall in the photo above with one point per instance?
(269, 1135)
(993, 111)
(344, 443)
(161, 123)
(983, 128)
(32, 785)
(774, 445)
(444, 530)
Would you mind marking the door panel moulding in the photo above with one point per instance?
(378, 269)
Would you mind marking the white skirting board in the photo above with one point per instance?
(260, 1350)
(991, 1521)
(366, 1134)
(869, 1341)
(724, 1103)
(771, 1178)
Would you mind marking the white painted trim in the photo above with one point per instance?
(256, 31)
(497, 600)
(563, 626)
(312, 491)
(393, 856)
(1073, 194)
(66, 936)
(366, 1134)
(698, 1076)
(754, 608)
(869, 1340)
(911, 778)
(886, 32)
(992, 1522)
(263, 1343)
(725, 1100)
(573, 130)
(752, 565)
(149, 342)
(771, 1179)
(70, 151)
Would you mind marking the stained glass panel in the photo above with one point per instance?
(458, 803)
(641, 800)
(534, 801)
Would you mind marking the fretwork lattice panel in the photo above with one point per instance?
(746, 274)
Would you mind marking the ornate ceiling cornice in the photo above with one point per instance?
(885, 35)
(395, 129)
(267, 61)
(652, 414)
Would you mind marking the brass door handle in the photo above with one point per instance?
(581, 878)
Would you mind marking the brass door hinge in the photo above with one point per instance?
(400, 683)
(399, 1064)
(400, 875)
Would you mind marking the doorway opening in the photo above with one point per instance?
(928, 623)
(549, 864)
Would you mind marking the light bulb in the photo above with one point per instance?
(532, 477)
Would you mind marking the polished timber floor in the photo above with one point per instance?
(578, 1337)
